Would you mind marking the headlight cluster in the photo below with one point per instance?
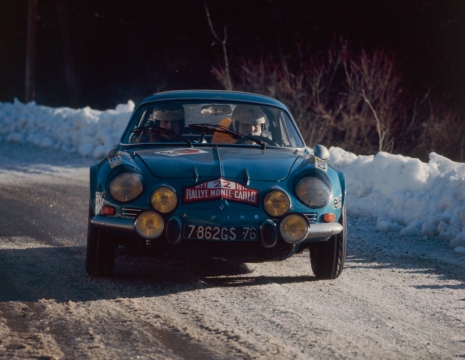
(150, 224)
(126, 187)
(277, 203)
(314, 191)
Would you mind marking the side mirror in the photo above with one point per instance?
(321, 152)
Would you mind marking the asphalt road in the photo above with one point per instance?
(397, 298)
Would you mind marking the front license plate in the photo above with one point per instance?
(220, 233)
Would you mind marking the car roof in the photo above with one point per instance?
(209, 95)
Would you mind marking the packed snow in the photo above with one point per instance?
(405, 194)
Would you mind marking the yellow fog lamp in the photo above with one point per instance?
(276, 203)
(149, 224)
(294, 228)
(164, 199)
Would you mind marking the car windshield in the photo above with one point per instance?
(212, 123)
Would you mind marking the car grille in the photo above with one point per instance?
(130, 212)
(313, 217)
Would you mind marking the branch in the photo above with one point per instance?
(381, 134)
(228, 81)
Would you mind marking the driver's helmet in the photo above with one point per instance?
(248, 115)
(168, 112)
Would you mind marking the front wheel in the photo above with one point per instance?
(101, 251)
(327, 258)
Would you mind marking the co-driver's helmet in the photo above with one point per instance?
(248, 114)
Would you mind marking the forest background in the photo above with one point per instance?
(366, 76)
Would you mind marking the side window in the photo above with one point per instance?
(139, 120)
(286, 139)
(296, 138)
(289, 133)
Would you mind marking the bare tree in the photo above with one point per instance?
(356, 100)
(62, 6)
(31, 51)
(219, 73)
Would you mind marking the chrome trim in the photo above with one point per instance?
(312, 217)
(247, 177)
(323, 230)
(113, 222)
(130, 212)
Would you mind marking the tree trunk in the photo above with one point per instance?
(62, 6)
(30, 84)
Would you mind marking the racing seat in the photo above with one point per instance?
(220, 137)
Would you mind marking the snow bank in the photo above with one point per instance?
(85, 131)
(407, 195)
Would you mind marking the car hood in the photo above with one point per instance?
(219, 162)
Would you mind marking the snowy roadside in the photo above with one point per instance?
(21, 162)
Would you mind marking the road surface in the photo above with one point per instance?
(398, 297)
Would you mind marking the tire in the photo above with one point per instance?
(101, 251)
(327, 258)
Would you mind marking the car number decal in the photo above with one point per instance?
(338, 202)
(99, 197)
(220, 233)
(183, 151)
(114, 159)
(220, 189)
(321, 164)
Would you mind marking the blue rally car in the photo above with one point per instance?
(216, 174)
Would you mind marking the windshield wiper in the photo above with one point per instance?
(210, 129)
(160, 131)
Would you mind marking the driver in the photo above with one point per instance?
(169, 116)
(248, 119)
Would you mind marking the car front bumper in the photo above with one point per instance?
(315, 231)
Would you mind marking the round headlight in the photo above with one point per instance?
(276, 203)
(294, 228)
(164, 199)
(126, 187)
(149, 224)
(314, 192)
